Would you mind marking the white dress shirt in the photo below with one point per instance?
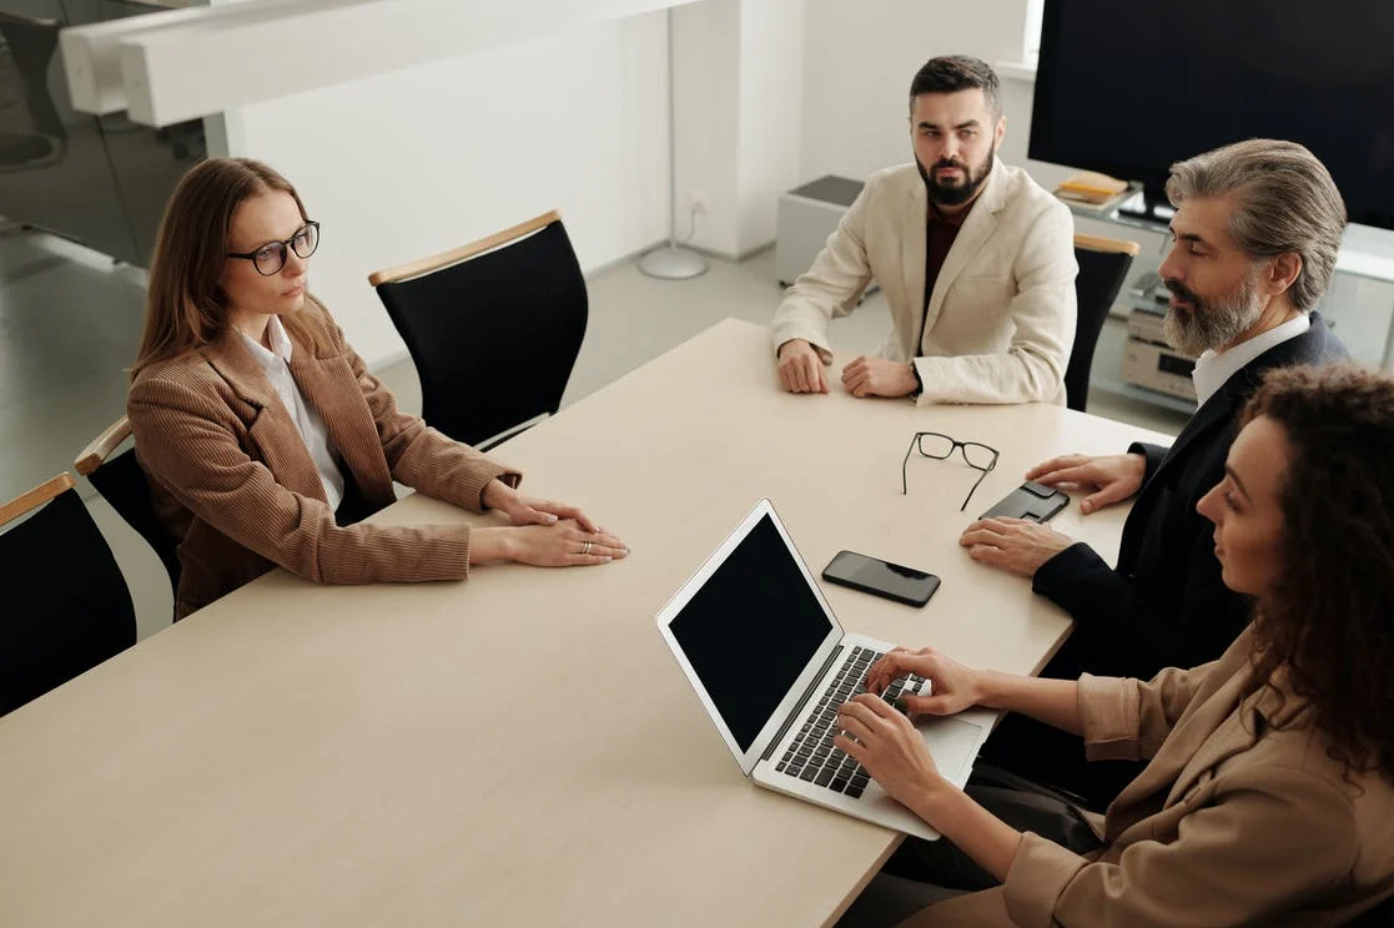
(316, 437)
(1212, 370)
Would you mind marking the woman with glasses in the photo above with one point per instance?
(265, 437)
(1268, 798)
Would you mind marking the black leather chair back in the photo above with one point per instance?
(494, 337)
(123, 484)
(1101, 276)
(66, 607)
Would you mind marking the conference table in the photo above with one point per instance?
(520, 748)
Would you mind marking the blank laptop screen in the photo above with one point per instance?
(751, 629)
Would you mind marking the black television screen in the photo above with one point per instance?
(1130, 88)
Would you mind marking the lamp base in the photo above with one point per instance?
(673, 263)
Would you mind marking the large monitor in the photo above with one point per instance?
(1130, 88)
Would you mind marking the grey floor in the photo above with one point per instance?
(70, 322)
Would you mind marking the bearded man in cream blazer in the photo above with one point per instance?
(975, 258)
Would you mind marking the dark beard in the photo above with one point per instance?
(956, 194)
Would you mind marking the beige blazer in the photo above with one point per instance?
(1001, 320)
(1233, 822)
(231, 475)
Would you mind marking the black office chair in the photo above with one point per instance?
(494, 328)
(122, 483)
(1103, 265)
(67, 607)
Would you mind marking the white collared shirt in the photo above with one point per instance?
(312, 431)
(1213, 370)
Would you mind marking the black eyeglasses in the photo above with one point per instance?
(939, 446)
(271, 257)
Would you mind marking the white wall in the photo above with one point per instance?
(772, 44)
(404, 165)
(706, 59)
(860, 58)
(739, 92)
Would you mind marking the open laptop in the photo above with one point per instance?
(771, 665)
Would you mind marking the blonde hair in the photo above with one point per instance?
(1286, 203)
(185, 307)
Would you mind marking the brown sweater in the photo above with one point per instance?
(231, 475)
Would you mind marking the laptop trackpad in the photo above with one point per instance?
(953, 743)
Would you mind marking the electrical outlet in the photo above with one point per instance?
(697, 201)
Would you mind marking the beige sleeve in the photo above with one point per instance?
(1129, 719)
(1271, 838)
(830, 288)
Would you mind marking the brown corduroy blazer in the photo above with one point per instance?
(231, 475)
(1241, 818)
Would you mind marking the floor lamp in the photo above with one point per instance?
(672, 262)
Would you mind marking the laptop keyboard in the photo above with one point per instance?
(811, 756)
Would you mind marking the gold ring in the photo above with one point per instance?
(586, 548)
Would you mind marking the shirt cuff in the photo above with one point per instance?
(1039, 874)
(1110, 711)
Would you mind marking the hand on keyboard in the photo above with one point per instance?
(889, 747)
(953, 687)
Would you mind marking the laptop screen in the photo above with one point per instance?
(751, 630)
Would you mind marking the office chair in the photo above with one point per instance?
(123, 484)
(67, 607)
(1103, 265)
(494, 328)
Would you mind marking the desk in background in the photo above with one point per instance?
(519, 749)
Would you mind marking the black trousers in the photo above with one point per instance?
(921, 873)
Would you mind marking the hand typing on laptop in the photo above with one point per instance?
(772, 666)
(953, 687)
(885, 741)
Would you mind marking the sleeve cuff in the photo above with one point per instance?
(1039, 874)
(1055, 574)
(484, 472)
(447, 555)
(1110, 710)
(781, 337)
(1152, 454)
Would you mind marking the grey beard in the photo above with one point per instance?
(1214, 323)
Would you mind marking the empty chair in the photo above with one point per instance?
(1103, 265)
(66, 605)
(123, 484)
(494, 328)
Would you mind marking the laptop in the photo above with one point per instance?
(771, 664)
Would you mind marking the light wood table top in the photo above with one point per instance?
(519, 749)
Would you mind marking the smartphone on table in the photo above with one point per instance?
(881, 578)
(1033, 501)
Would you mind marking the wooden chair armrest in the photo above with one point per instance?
(1099, 243)
(36, 497)
(95, 454)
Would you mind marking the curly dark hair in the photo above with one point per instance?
(1330, 616)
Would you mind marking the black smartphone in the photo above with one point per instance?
(1031, 500)
(875, 576)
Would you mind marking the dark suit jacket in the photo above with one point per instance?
(1165, 604)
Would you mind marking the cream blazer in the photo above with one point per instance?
(1001, 320)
